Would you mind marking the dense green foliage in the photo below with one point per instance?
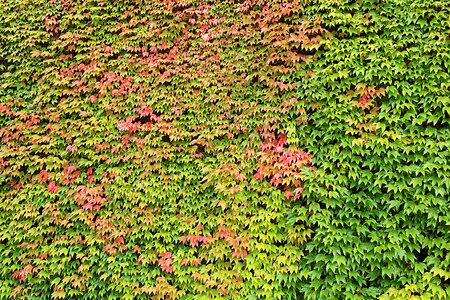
(380, 139)
(225, 149)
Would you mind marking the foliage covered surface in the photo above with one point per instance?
(224, 149)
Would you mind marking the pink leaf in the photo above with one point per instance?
(52, 187)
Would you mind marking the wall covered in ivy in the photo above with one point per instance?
(234, 149)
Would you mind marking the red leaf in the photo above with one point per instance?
(165, 262)
(87, 206)
(52, 187)
(71, 148)
(19, 185)
(22, 274)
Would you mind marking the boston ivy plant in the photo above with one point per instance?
(224, 149)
